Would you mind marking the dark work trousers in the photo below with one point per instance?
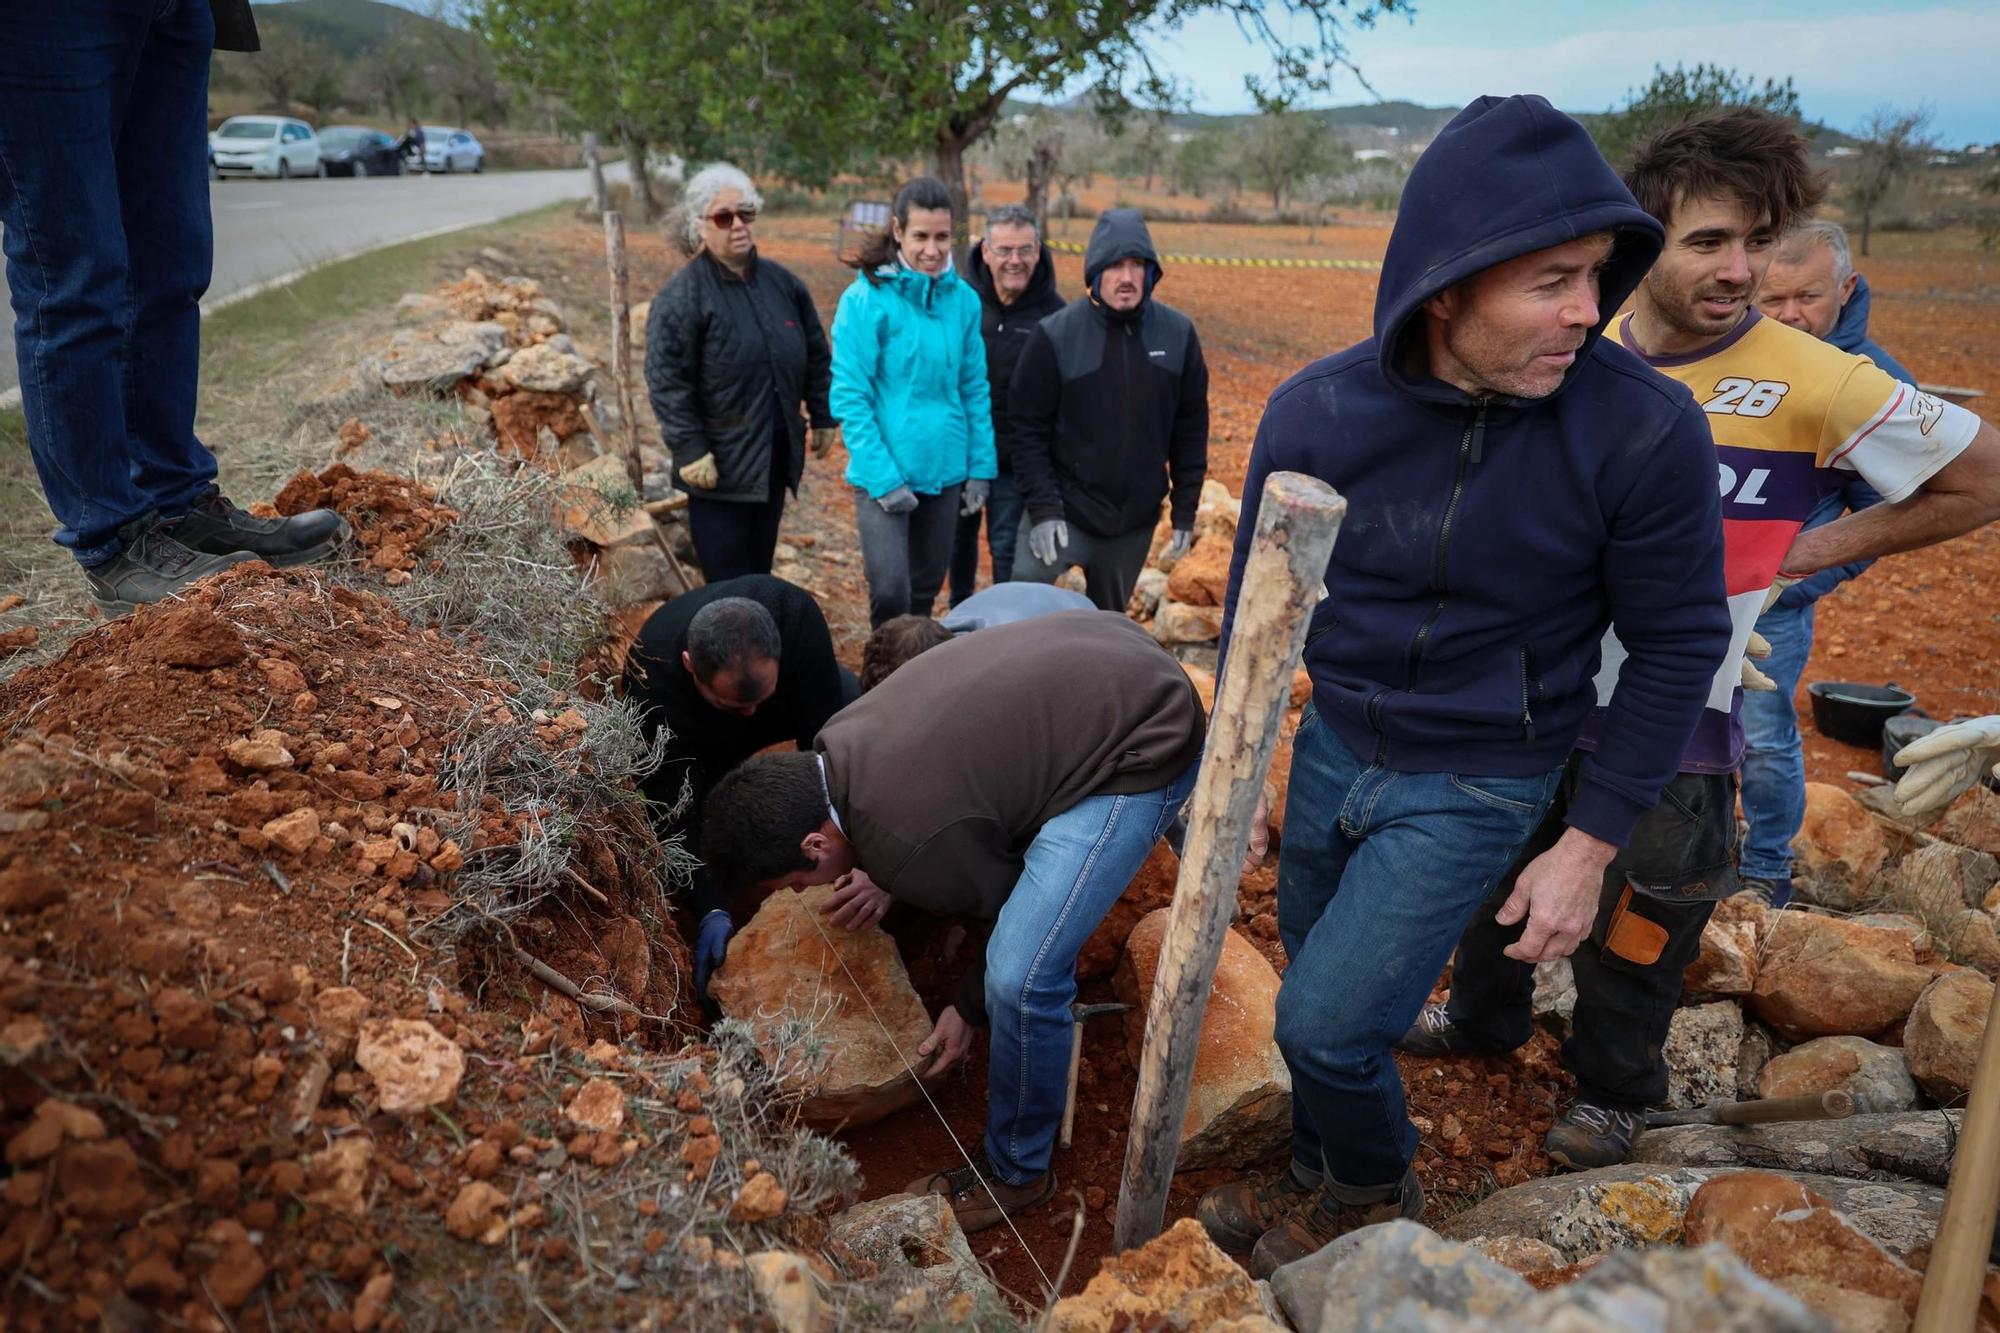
(1002, 516)
(1658, 895)
(732, 539)
(1111, 565)
(905, 556)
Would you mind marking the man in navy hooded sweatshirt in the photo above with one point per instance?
(1515, 485)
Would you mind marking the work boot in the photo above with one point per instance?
(1435, 1034)
(1588, 1135)
(1236, 1215)
(1770, 892)
(152, 566)
(216, 526)
(978, 1200)
(1327, 1218)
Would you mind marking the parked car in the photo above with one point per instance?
(448, 149)
(355, 150)
(264, 146)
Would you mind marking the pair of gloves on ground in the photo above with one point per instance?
(1047, 538)
(704, 475)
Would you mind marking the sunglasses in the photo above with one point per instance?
(725, 219)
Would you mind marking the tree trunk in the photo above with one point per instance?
(1040, 172)
(1867, 220)
(644, 206)
(948, 163)
(600, 198)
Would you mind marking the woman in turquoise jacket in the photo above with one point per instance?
(909, 388)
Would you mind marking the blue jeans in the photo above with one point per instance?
(1076, 867)
(1378, 874)
(104, 202)
(1774, 765)
(1002, 516)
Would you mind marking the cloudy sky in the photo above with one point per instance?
(1846, 57)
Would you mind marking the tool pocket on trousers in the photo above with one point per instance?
(1642, 933)
(1683, 849)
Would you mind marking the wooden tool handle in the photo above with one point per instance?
(1835, 1105)
(1957, 1271)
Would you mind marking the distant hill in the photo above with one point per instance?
(349, 27)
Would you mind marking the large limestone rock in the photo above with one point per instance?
(1701, 1048)
(1917, 1145)
(1619, 1215)
(1706, 1290)
(1898, 1215)
(1791, 1236)
(1821, 976)
(1201, 577)
(1179, 1279)
(1941, 879)
(784, 964)
(1941, 1041)
(1838, 851)
(1876, 1075)
(1730, 943)
(919, 1235)
(546, 369)
(1973, 820)
(1240, 1107)
(1179, 622)
(433, 368)
(415, 1066)
(1391, 1272)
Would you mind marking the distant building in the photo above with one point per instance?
(1843, 150)
(1373, 155)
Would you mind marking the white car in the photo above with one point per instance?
(448, 149)
(264, 146)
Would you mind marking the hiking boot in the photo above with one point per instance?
(1236, 1215)
(217, 527)
(1326, 1219)
(1588, 1135)
(1770, 892)
(152, 566)
(1435, 1034)
(978, 1200)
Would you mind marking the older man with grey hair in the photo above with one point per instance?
(734, 347)
(1811, 286)
(1015, 277)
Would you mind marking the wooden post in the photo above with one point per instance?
(1296, 526)
(621, 343)
(594, 159)
(1956, 1276)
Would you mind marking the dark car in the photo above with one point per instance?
(353, 150)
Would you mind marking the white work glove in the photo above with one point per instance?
(820, 440)
(1753, 679)
(1946, 762)
(899, 501)
(1778, 586)
(1180, 543)
(1757, 646)
(702, 474)
(1046, 538)
(973, 498)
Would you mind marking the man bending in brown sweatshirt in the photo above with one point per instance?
(1019, 776)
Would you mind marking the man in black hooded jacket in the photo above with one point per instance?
(1015, 277)
(1108, 405)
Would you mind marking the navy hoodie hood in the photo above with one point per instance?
(1464, 211)
(1850, 332)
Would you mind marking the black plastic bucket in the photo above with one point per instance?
(1852, 712)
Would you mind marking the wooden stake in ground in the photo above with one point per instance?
(621, 343)
(1957, 1274)
(1296, 525)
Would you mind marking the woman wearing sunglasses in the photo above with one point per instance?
(909, 387)
(733, 347)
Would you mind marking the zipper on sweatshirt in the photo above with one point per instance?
(1471, 448)
(1527, 714)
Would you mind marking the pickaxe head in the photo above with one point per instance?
(1079, 1012)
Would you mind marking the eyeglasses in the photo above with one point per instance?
(1012, 251)
(725, 219)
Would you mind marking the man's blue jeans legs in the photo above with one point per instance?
(104, 205)
(1774, 766)
(1076, 868)
(1378, 874)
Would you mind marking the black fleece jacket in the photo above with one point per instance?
(1106, 407)
(1005, 329)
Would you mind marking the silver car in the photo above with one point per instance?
(448, 149)
(264, 146)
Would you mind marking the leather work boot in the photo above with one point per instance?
(1326, 1219)
(1435, 1034)
(1588, 1135)
(978, 1200)
(1236, 1215)
(216, 526)
(152, 566)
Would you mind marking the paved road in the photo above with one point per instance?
(266, 230)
